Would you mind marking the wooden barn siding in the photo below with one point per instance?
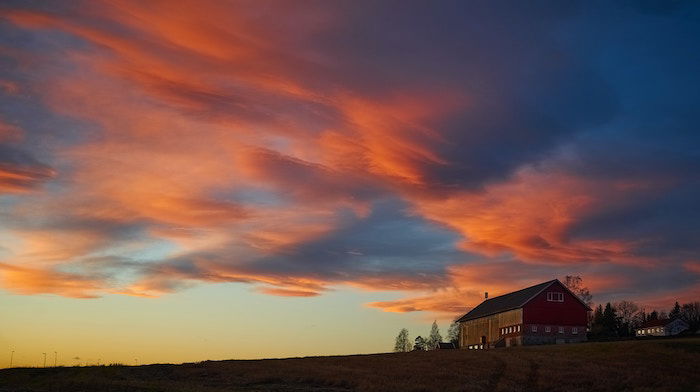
(542, 312)
(471, 331)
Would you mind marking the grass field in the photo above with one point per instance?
(655, 365)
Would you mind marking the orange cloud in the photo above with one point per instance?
(288, 293)
(49, 281)
(693, 266)
(531, 216)
(22, 178)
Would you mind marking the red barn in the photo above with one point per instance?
(541, 314)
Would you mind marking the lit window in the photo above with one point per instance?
(561, 329)
(518, 328)
(510, 329)
(574, 331)
(534, 328)
(648, 330)
(547, 329)
(555, 297)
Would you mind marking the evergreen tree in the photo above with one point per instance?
(610, 321)
(654, 315)
(434, 337)
(597, 323)
(419, 344)
(675, 312)
(453, 334)
(402, 344)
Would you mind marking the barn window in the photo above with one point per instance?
(534, 328)
(547, 329)
(555, 297)
(561, 329)
(574, 331)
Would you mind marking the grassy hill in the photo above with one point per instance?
(654, 365)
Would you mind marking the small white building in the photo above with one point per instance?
(662, 327)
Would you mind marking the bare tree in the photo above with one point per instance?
(627, 312)
(434, 337)
(690, 313)
(575, 284)
(402, 344)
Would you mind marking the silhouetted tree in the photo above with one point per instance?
(654, 315)
(605, 321)
(419, 344)
(641, 317)
(597, 322)
(575, 284)
(402, 344)
(627, 313)
(675, 312)
(434, 337)
(610, 322)
(690, 313)
(453, 334)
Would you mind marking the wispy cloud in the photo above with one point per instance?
(298, 147)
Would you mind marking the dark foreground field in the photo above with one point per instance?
(658, 365)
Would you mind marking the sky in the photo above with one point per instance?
(193, 180)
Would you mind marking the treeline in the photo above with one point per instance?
(403, 341)
(621, 319)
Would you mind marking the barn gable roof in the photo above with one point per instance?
(505, 302)
(510, 301)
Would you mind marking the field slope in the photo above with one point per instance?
(656, 365)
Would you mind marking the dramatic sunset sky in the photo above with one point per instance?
(189, 180)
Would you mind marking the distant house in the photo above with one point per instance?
(445, 346)
(541, 314)
(662, 327)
